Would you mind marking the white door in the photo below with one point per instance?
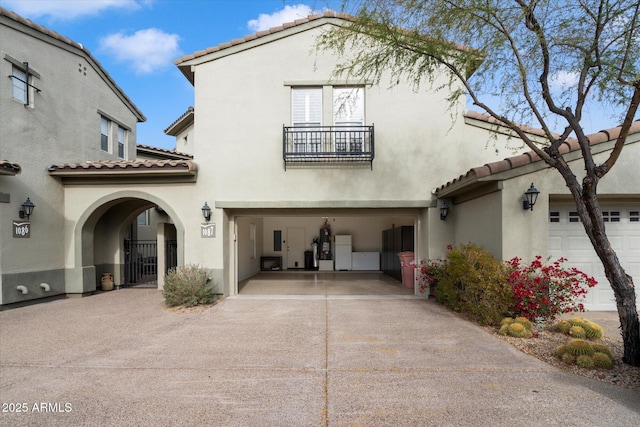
(296, 245)
(568, 239)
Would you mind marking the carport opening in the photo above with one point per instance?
(354, 253)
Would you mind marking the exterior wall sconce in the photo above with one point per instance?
(206, 212)
(444, 210)
(531, 197)
(27, 209)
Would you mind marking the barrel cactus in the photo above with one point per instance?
(580, 347)
(601, 348)
(592, 330)
(577, 332)
(563, 326)
(602, 360)
(585, 361)
(524, 322)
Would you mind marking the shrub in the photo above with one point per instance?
(546, 290)
(187, 285)
(428, 273)
(472, 281)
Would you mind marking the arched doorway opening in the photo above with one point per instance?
(112, 238)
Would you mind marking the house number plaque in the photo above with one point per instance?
(207, 230)
(21, 229)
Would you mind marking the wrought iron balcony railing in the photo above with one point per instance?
(316, 144)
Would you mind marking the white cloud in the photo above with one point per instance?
(561, 80)
(146, 50)
(68, 10)
(288, 14)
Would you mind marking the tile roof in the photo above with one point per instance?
(529, 157)
(28, 23)
(181, 122)
(9, 168)
(163, 152)
(260, 34)
(124, 167)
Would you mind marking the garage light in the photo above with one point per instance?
(444, 210)
(531, 197)
(206, 212)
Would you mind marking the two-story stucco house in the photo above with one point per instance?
(57, 104)
(280, 155)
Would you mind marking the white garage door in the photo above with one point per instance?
(568, 239)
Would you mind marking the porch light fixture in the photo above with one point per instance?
(444, 210)
(27, 209)
(206, 212)
(531, 197)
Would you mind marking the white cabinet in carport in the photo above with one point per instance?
(365, 261)
(343, 252)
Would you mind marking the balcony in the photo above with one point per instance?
(327, 144)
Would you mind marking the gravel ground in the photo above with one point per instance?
(544, 345)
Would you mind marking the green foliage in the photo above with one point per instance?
(602, 360)
(577, 332)
(474, 283)
(580, 347)
(188, 286)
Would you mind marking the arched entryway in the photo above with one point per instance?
(107, 240)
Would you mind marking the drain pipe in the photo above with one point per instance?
(45, 287)
(22, 289)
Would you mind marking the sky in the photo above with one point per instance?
(137, 42)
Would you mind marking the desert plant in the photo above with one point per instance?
(507, 321)
(563, 327)
(187, 285)
(592, 330)
(601, 348)
(518, 330)
(577, 332)
(474, 282)
(562, 349)
(580, 347)
(576, 321)
(568, 358)
(585, 361)
(524, 322)
(602, 360)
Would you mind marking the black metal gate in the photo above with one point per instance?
(141, 261)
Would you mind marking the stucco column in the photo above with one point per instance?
(161, 247)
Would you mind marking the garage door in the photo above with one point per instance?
(568, 239)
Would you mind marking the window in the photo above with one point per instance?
(554, 216)
(634, 216)
(306, 111)
(19, 80)
(573, 217)
(143, 218)
(348, 115)
(611, 216)
(105, 127)
(122, 139)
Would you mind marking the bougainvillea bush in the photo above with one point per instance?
(546, 290)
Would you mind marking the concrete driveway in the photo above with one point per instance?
(121, 358)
